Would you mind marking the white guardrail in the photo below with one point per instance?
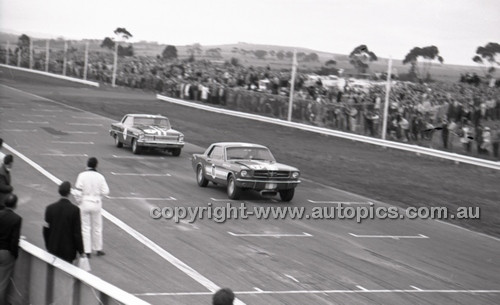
(396, 145)
(42, 278)
(71, 79)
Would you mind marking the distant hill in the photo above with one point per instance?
(245, 53)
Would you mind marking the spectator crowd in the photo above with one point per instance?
(458, 117)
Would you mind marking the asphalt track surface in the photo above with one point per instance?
(278, 262)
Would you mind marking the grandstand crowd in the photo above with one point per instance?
(456, 117)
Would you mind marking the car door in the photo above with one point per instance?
(127, 123)
(214, 163)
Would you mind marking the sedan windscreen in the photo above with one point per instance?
(160, 122)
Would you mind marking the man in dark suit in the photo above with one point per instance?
(5, 187)
(63, 231)
(10, 230)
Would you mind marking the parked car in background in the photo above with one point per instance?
(146, 131)
(245, 166)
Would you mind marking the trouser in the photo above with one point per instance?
(91, 226)
(7, 261)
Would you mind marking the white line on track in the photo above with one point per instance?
(20, 130)
(340, 202)
(81, 132)
(389, 236)
(39, 115)
(135, 157)
(211, 286)
(258, 289)
(416, 288)
(333, 291)
(86, 118)
(215, 199)
(142, 198)
(142, 175)
(27, 122)
(71, 142)
(84, 124)
(43, 109)
(292, 278)
(65, 155)
(361, 288)
(304, 234)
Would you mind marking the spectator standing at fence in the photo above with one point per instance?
(486, 143)
(10, 231)
(5, 179)
(91, 186)
(465, 139)
(62, 231)
(495, 140)
(445, 132)
(224, 296)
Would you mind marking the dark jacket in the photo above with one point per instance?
(10, 229)
(63, 231)
(5, 187)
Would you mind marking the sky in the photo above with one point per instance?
(389, 28)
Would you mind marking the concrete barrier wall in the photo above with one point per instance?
(71, 79)
(41, 278)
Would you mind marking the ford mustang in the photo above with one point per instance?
(242, 166)
(145, 131)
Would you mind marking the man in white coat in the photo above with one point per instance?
(90, 187)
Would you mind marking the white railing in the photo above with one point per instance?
(71, 79)
(42, 278)
(375, 141)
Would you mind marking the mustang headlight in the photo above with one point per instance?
(141, 137)
(295, 175)
(244, 173)
(181, 138)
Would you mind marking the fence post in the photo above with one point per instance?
(47, 52)
(65, 60)
(7, 55)
(86, 60)
(31, 54)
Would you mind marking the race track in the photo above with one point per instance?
(264, 261)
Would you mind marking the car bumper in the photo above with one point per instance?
(261, 185)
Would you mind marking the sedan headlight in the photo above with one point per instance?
(181, 138)
(244, 173)
(141, 137)
(295, 175)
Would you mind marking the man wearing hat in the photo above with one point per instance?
(90, 187)
(63, 231)
(5, 187)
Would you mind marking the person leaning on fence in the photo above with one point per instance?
(5, 179)
(10, 230)
(90, 187)
(62, 231)
(224, 296)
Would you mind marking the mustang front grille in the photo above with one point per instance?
(271, 174)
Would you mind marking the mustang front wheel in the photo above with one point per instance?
(287, 195)
(200, 177)
(233, 191)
